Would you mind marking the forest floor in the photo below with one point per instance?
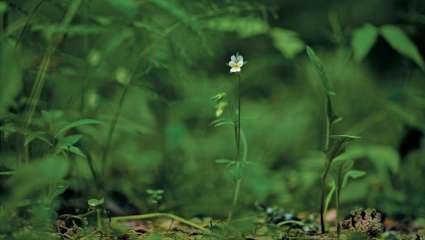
(267, 226)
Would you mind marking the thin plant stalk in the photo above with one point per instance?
(41, 74)
(112, 127)
(85, 47)
(237, 126)
(338, 201)
(326, 169)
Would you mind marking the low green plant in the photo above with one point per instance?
(97, 205)
(337, 163)
(155, 196)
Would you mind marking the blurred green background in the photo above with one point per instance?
(161, 61)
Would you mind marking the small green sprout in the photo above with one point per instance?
(96, 204)
(155, 196)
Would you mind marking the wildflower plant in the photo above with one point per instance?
(338, 163)
(221, 103)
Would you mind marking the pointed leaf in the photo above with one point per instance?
(400, 42)
(76, 151)
(320, 69)
(363, 40)
(68, 141)
(352, 174)
(75, 124)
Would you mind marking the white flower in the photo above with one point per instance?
(236, 63)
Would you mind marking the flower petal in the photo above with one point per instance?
(233, 58)
(235, 69)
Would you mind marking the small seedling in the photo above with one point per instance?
(155, 196)
(97, 206)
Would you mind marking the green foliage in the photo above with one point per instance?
(94, 202)
(363, 40)
(287, 42)
(129, 81)
(401, 43)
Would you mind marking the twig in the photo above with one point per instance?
(159, 215)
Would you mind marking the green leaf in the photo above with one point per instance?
(222, 122)
(10, 75)
(94, 202)
(245, 27)
(337, 147)
(79, 123)
(320, 69)
(68, 141)
(228, 162)
(345, 136)
(363, 40)
(354, 174)
(287, 42)
(31, 136)
(400, 42)
(328, 198)
(76, 151)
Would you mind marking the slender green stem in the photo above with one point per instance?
(322, 200)
(28, 21)
(99, 219)
(338, 201)
(238, 148)
(159, 215)
(235, 199)
(327, 167)
(112, 127)
(114, 121)
(85, 48)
